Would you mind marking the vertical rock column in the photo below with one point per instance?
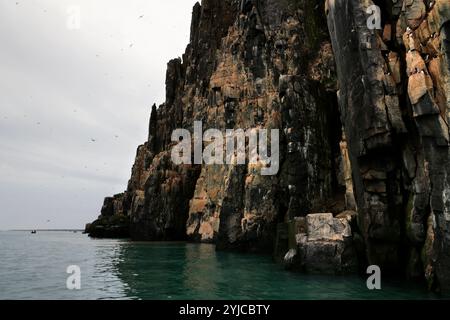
(394, 100)
(272, 71)
(371, 118)
(425, 29)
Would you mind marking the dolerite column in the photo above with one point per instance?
(394, 99)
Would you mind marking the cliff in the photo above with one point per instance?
(364, 138)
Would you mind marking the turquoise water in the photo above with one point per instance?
(34, 267)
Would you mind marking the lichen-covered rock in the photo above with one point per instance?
(323, 227)
(325, 246)
(116, 226)
(263, 79)
(249, 64)
(363, 120)
(396, 126)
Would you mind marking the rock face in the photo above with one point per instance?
(363, 127)
(265, 77)
(394, 97)
(113, 222)
(324, 245)
(250, 64)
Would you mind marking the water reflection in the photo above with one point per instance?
(34, 267)
(169, 271)
(201, 264)
(150, 271)
(195, 272)
(100, 271)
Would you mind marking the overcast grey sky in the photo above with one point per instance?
(61, 87)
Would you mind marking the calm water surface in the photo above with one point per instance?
(34, 267)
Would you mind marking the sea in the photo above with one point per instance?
(36, 266)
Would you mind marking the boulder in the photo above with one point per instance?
(323, 227)
(325, 246)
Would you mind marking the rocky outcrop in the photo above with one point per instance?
(263, 79)
(363, 123)
(113, 222)
(250, 64)
(394, 98)
(323, 245)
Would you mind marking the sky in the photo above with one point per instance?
(77, 81)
